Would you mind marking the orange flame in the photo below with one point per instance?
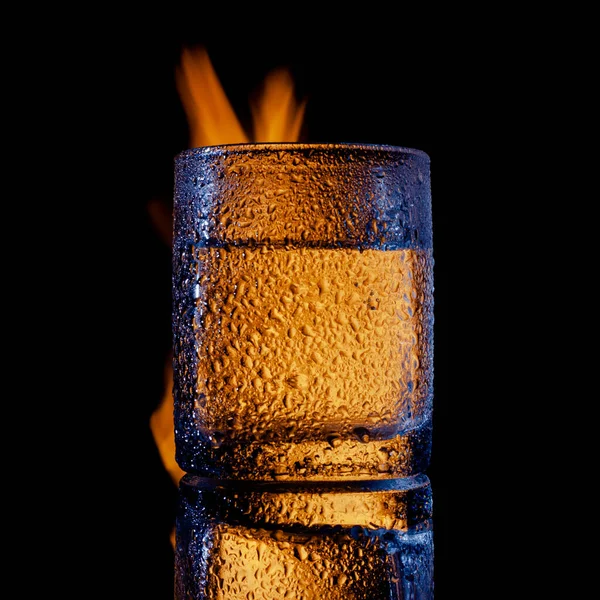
(276, 116)
(211, 118)
(162, 427)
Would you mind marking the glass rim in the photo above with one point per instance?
(217, 149)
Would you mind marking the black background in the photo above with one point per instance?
(396, 83)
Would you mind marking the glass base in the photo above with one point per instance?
(334, 458)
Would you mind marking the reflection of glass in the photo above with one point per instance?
(303, 335)
(331, 541)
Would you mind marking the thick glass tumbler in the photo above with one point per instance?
(303, 312)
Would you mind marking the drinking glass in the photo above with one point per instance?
(302, 311)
